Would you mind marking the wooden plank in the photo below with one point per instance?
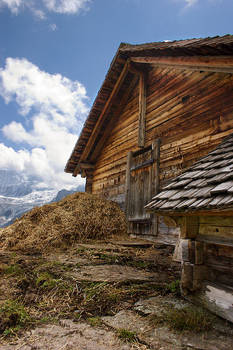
(111, 125)
(199, 253)
(142, 110)
(156, 169)
(187, 277)
(194, 63)
(127, 182)
(217, 298)
(86, 166)
(143, 165)
(217, 221)
(189, 227)
(199, 274)
(216, 230)
(103, 114)
(185, 250)
(123, 129)
(88, 185)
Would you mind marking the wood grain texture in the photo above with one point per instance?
(142, 110)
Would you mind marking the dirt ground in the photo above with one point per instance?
(102, 295)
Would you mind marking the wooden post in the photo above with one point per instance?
(189, 227)
(186, 277)
(156, 162)
(83, 173)
(127, 182)
(88, 186)
(199, 253)
(142, 111)
(155, 182)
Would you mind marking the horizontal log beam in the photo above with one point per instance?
(213, 212)
(222, 64)
(82, 166)
(86, 165)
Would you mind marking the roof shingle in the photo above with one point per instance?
(197, 188)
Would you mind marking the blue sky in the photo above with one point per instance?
(54, 55)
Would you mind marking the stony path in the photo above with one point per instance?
(71, 336)
(136, 275)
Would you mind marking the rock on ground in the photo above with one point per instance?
(70, 336)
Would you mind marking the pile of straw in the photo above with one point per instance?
(76, 218)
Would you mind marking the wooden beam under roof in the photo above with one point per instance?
(82, 166)
(104, 112)
(109, 127)
(219, 64)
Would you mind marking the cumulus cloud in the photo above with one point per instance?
(55, 108)
(40, 7)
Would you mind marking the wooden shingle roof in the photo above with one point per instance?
(207, 185)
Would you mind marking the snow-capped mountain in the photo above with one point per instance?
(18, 195)
(13, 184)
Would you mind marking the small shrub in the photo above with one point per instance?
(127, 335)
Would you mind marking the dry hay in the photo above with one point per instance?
(75, 218)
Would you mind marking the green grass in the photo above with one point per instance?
(94, 321)
(173, 287)
(190, 318)
(46, 281)
(13, 270)
(13, 316)
(126, 335)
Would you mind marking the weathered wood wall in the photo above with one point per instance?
(189, 111)
(208, 265)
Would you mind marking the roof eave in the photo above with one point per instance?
(228, 211)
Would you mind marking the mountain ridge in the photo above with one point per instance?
(18, 195)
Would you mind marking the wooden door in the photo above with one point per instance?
(141, 186)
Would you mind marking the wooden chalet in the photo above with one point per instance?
(161, 107)
(200, 201)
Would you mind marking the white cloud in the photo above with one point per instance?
(13, 5)
(55, 108)
(36, 90)
(39, 7)
(65, 6)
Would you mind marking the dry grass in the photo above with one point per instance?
(75, 218)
